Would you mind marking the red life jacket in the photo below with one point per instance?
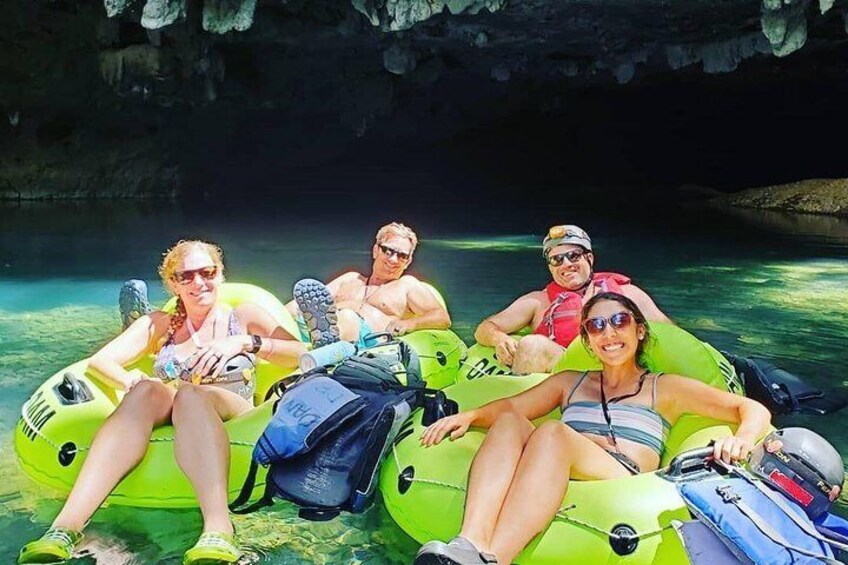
(561, 321)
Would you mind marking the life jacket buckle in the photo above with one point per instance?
(728, 495)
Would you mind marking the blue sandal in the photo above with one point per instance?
(319, 311)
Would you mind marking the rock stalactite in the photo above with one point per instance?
(78, 77)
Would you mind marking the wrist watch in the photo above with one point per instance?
(256, 344)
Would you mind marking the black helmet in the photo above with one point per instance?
(802, 465)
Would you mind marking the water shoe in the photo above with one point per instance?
(319, 311)
(458, 551)
(55, 546)
(133, 302)
(213, 548)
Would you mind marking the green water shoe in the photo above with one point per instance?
(55, 546)
(213, 548)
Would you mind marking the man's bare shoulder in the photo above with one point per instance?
(535, 300)
(410, 280)
(539, 296)
(633, 292)
(347, 277)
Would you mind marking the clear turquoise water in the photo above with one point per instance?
(758, 283)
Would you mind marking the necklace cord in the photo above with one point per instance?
(605, 403)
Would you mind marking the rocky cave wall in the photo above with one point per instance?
(126, 98)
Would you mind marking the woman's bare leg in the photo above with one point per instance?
(554, 453)
(202, 447)
(536, 354)
(491, 474)
(118, 447)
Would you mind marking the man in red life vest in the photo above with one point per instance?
(554, 312)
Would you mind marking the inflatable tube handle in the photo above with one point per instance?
(688, 461)
(71, 390)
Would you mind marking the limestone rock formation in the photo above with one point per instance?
(397, 15)
(814, 196)
(78, 77)
(161, 13)
(222, 16)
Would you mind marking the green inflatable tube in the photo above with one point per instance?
(424, 489)
(481, 361)
(53, 435)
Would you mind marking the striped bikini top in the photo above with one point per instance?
(634, 422)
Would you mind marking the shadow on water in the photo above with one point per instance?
(750, 282)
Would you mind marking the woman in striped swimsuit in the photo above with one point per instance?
(614, 423)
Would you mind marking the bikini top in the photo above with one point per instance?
(167, 367)
(634, 422)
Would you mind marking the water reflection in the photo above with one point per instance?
(754, 283)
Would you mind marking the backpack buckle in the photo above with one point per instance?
(728, 495)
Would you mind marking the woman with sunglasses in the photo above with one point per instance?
(614, 423)
(192, 346)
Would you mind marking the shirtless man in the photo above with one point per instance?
(554, 312)
(354, 305)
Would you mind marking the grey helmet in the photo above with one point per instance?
(802, 465)
(240, 367)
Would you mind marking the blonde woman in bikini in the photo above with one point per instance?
(191, 346)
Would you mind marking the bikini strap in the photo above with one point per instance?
(574, 388)
(233, 323)
(654, 394)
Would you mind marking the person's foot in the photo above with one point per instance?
(213, 548)
(55, 546)
(133, 302)
(319, 311)
(458, 551)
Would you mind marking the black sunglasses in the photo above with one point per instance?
(573, 256)
(391, 252)
(596, 326)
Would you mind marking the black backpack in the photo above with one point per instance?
(782, 392)
(389, 357)
(339, 471)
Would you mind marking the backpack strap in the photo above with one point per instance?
(778, 500)
(247, 489)
(729, 496)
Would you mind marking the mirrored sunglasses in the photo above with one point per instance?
(619, 321)
(391, 252)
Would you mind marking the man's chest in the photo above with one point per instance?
(388, 297)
